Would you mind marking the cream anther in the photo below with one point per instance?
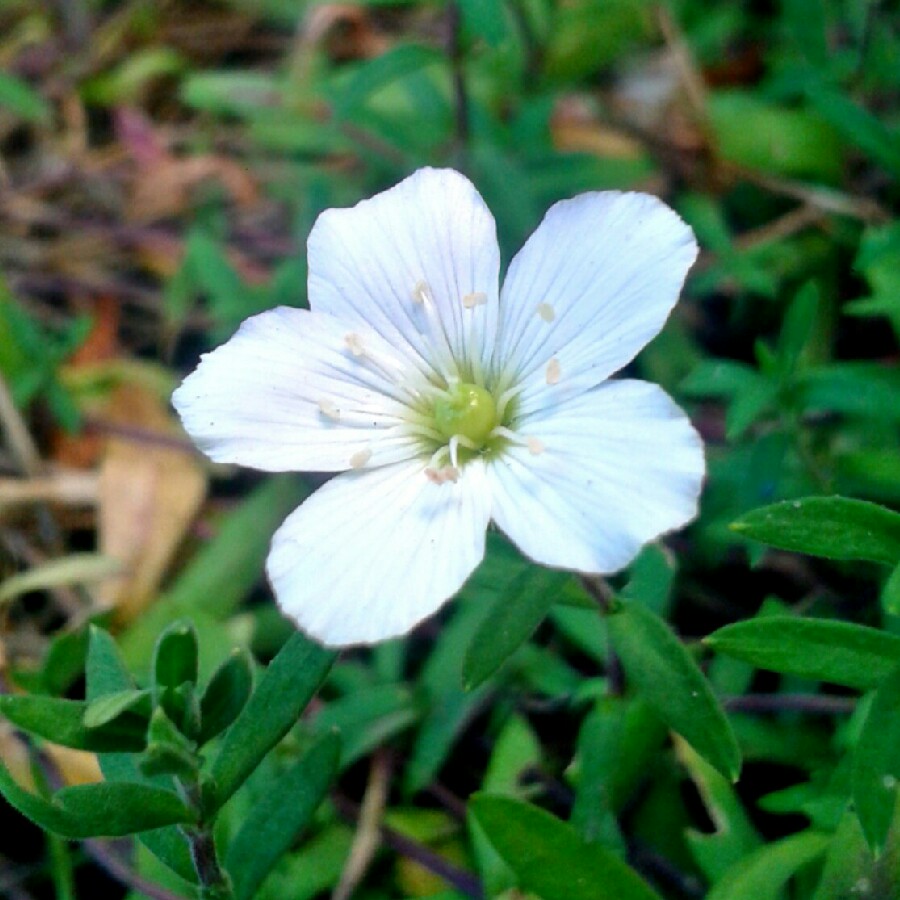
(535, 445)
(329, 410)
(470, 301)
(546, 312)
(442, 475)
(421, 293)
(355, 344)
(553, 371)
(360, 458)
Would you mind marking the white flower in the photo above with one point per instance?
(447, 403)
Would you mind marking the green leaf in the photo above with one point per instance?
(734, 836)
(372, 75)
(666, 676)
(513, 617)
(63, 722)
(876, 764)
(77, 568)
(225, 695)
(106, 673)
(175, 656)
(549, 857)
(833, 527)
(754, 132)
(106, 709)
(824, 650)
(890, 593)
(766, 871)
(484, 19)
(858, 126)
(797, 328)
(107, 676)
(650, 578)
(853, 388)
(92, 810)
(273, 824)
(22, 100)
(282, 694)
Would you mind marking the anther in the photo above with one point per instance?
(553, 371)
(546, 312)
(442, 475)
(421, 293)
(355, 344)
(535, 445)
(470, 301)
(360, 458)
(329, 410)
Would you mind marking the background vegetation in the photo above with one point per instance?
(161, 164)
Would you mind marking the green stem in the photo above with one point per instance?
(215, 884)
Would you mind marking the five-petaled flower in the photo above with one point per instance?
(446, 402)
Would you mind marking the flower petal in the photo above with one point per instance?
(617, 467)
(420, 264)
(286, 393)
(593, 284)
(371, 554)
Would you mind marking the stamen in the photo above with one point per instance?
(442, 475)
(421, 293)
(360, 458)
(355, 344)
(553, 371)
(535, 445)
(546, 312)
(329, 410)
(457, 441)
(470, 301)
(504, 400)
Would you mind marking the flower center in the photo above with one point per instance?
(468, 411)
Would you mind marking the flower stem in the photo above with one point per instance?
(215, 883)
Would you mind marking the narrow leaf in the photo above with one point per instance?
(225, 695)
(106, 709)
(289, 683)
(550, 858)
(876, 764)
(833, 527)
(92, 810)
(107, 676)
(77, 568)
(62, 722)
(273, 824)
(766, 871)
(106, 673)
(513, 617)
(175, 657)
(669, 680)
(824, 650)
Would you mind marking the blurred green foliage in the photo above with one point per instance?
(174, 157)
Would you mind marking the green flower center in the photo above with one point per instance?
(468, 411)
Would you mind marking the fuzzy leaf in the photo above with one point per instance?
(513, 617)
(876, 764)
(824, 650)
(289, 683)
(273, 824)
(833, 527)
(550, 858)
(669, 680)
(62, 722)
(91, 810)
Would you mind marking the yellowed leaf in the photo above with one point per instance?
(150, 490)
(75, 766)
